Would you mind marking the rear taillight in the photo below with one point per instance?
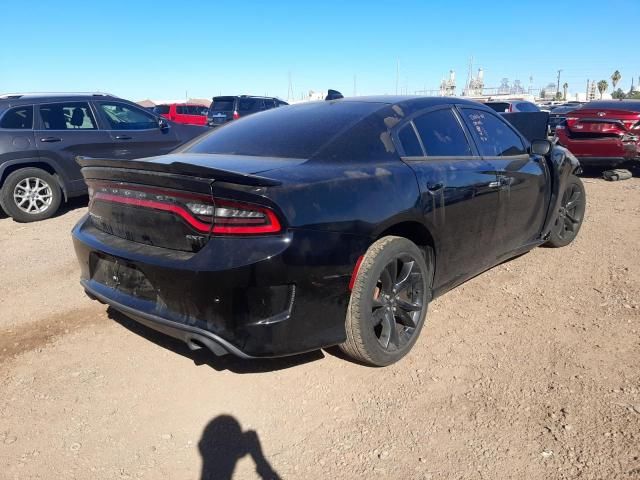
(207, 215)
(236, 115)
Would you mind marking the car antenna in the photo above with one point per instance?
(333, 95)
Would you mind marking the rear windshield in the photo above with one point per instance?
(298, 131)
(222, 104)
(500, 107)
(161, 109)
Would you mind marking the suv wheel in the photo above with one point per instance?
(30, 194)
(388, 303)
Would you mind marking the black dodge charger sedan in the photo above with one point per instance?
(326, 223)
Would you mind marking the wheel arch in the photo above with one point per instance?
(8, 168)
(419, 234)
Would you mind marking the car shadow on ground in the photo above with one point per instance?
(73, 204)
(205, 357)
(223, 443)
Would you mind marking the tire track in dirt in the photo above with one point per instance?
(24, 338)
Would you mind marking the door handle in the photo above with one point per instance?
(50, 139)
(435, 187)
(123, 137)
(502, 181)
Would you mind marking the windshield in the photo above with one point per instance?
(297, 131)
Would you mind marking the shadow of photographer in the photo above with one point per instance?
(223, 444)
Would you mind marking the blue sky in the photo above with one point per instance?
(160, 50)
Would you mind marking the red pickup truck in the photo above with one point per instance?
(603, 133)
(188, 113)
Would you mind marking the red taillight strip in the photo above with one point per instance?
(272, 227)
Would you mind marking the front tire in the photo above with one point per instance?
(571, 215)
(388, 302)
(30, 194)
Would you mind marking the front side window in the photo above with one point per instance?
(126, 117)
(18, 118)
(495, 138)
(67, 116)
(442, 134)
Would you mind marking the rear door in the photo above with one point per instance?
(135, 133)
(522, 178)
(17, 141)
(65, 130)
(249, 105)
(459, 195)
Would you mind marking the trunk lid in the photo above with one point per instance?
(179, 201)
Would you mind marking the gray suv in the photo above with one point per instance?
(42, 134)
(224, 109)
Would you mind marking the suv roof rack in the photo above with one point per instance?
(13, 96)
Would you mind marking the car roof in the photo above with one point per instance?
(11, 99)
(632, 105)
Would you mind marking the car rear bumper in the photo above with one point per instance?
(252, 297)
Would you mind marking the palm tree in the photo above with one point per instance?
(602, 87)
(615, 78)
(565, 86)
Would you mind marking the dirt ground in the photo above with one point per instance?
(529, 371)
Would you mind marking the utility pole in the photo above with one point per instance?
(558, 87)
(586, 92)
(290, 89)
(397, 74)
(354, 85)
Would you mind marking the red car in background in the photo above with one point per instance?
(603, 133)
(187, 113)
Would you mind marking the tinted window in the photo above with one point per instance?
(442, 135)
(18, 118)
(250, 104)
(527, 107)
(495, 138)
(409, 141)
(161, 109)
(126, 117)
(67, 116)
(498, 106)
(222, 104)
(294, 132)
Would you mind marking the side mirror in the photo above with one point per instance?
(540, 147)
(163, 124)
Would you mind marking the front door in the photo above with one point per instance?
(459, 193)
(135, 132)
(522, 178)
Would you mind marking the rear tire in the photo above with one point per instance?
(30, 194)
(572, 208)
(388, 303)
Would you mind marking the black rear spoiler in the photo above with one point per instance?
(108, 168)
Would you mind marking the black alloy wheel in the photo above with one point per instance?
(389, 301)
(570, 215)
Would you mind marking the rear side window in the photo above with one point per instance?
(293, 132)
(495, 138)
(250, 105)
(19, 118)
(442, 134)
(222, 104)
(126, 117)
(410, 142)
(67, 116)
(498, 106)
(527, 107)
(161, 109)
